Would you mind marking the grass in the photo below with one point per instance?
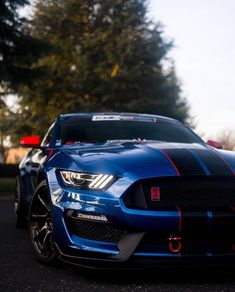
(7, 184)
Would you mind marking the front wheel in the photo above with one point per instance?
(41, 226)
(21, 221)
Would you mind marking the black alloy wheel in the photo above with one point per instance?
(41, 225)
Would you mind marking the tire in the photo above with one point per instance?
(21, 220)
(41, 226)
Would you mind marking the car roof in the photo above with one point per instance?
(91, 114)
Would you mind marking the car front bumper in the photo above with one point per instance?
(146, 238)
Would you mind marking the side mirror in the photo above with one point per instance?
(30, 141)
(215, 144)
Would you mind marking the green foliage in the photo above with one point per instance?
(5, 122)
(106, 56)
(18, 49)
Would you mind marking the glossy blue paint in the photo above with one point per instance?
(128, 163)
(201, 163)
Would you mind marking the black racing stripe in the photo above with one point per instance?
(222, 219)
(185, 162)
(213, 162)
(194, 232)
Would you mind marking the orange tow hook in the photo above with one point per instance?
(175, 244)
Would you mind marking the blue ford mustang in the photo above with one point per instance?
(126, 190)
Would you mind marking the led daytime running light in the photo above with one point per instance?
(86, 181)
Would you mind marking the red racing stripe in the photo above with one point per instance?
(217, 154)
(172, 163)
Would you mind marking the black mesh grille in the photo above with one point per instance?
(197, 236)
(106, 232)
(191, 192)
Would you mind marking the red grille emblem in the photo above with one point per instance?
(155, 194)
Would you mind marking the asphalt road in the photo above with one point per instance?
(19, 271)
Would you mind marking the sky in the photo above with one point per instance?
(204, 55)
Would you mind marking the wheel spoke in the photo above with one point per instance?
(38, 234)
(39, 216)
(45, 240)
(43, 203)
(41, 225)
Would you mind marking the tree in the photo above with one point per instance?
(18, 52)
(227, 139)
(11, 47)
(106, 56)
(18, 49)
(7, 121)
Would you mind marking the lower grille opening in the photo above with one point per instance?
(99, 231)
(199, 235)
(159, 243)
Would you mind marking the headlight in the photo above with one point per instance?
(87, 181)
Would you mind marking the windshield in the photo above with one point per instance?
(76, 130)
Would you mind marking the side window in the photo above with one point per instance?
(47, 138)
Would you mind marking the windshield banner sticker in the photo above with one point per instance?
(106, 118)
(122, 118)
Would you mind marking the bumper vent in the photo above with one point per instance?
(99, 231)
(190, 192)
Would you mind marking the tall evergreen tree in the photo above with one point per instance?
(18, 49)
(106, 56)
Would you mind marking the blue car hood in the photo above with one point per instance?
(147, 159)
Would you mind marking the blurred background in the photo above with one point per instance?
(166, 57)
